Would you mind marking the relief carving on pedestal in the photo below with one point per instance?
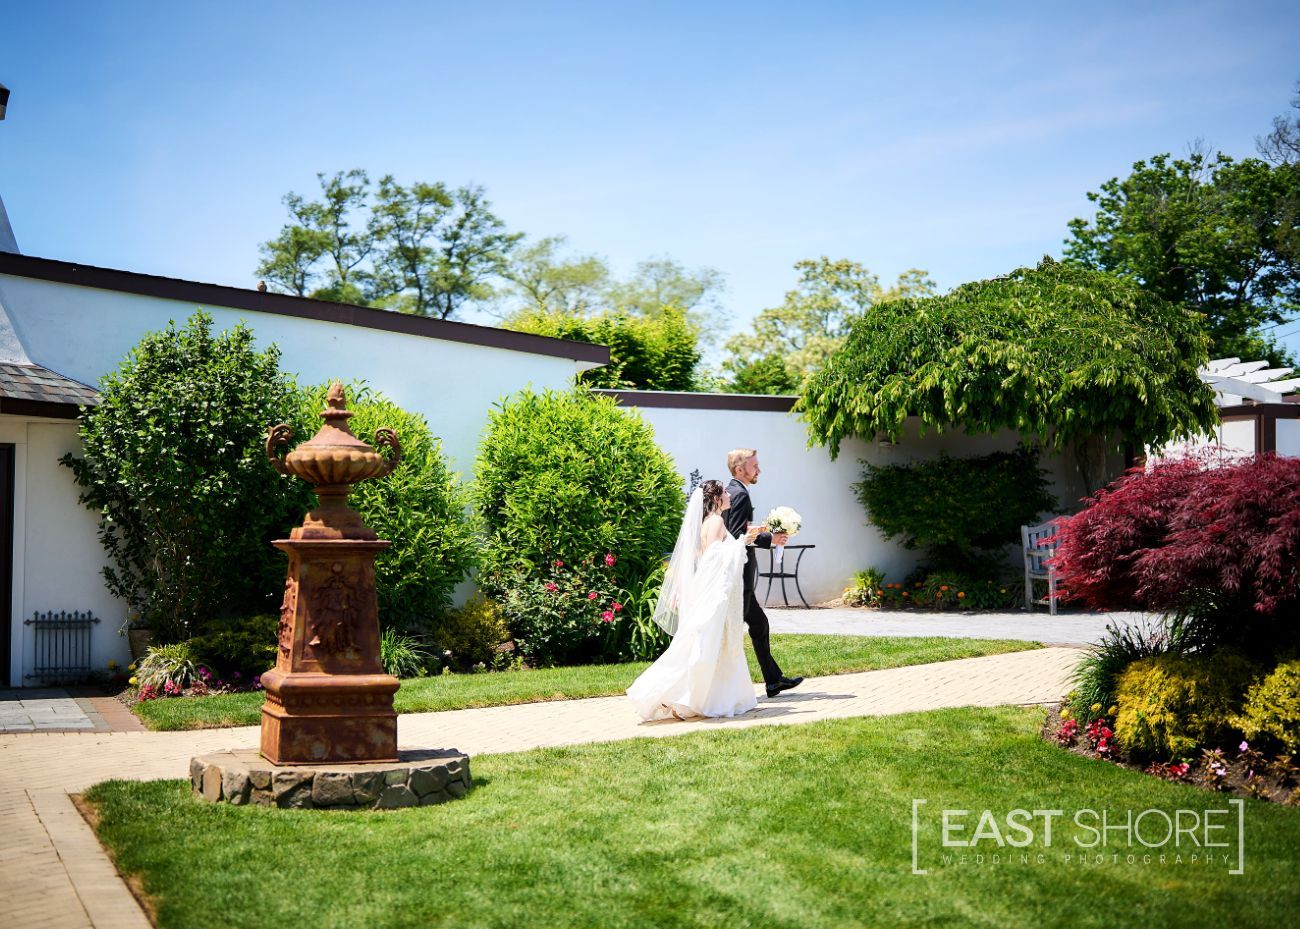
(287, 608)
(332, 614)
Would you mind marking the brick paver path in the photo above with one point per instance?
(53, 872)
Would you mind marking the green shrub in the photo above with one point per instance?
(401, 655)
(1272, 708)
(959, 510)
(867, 588)
(176, 663)
(422, 508)
(656, 352)
(571, 478)
(172, 462)
(246, 645)
(469, 635)
(1097, 676)
(1171, 704)
(568, 613)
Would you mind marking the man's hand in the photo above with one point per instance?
(753, 532)
(780, 538)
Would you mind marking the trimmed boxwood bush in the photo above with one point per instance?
(422, 508)
(566, 482)
(1172, 704)
(1272, 709)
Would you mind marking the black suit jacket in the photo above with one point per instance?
(741, 515)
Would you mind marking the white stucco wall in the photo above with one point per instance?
(1288, 437)
(819, 488)
(84, 333)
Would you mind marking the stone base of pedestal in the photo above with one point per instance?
(418, 778)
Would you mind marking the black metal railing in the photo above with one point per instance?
(62, 646)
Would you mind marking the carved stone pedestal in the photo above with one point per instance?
(328, 700)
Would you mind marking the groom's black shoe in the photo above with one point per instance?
(784, 684)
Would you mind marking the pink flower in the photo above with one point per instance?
(592, 595)
(607, 616)
(609, 560)
(1244, 746)
(552, 586)
(559, 563)
(616, 606)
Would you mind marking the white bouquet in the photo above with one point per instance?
(783, 520)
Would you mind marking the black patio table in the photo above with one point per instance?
(773, 574)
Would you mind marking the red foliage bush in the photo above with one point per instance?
(1189, 535)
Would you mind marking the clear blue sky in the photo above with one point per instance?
(959, 138)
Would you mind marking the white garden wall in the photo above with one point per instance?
(83, 332)
(808, 480)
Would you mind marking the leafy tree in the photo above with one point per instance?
(421, 508)
(1072, 355)
(814, 318)
(1214, 235)
(766, 375)
(646, 353)
(1282, 145)
(543, 282)
(425, 249)
(173, 462)
(659, 284)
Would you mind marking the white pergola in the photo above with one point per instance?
(1235, 381)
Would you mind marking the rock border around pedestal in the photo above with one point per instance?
(419, 778)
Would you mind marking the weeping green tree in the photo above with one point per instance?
(1080, 358)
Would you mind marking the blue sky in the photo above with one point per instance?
(959, 138)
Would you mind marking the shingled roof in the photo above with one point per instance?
(32, 382)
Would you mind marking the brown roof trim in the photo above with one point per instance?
(1260, 410)
(170, 288)
(14, 407)
(691, 401)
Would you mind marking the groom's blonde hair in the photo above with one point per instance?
(738, 456)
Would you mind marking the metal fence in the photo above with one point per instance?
(62, 646)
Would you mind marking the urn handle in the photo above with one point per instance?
(386, 436)
(279, 437)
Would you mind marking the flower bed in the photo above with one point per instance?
(1240, 770)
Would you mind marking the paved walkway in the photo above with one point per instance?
(53, 872)
(1062, 629)
(56, 710)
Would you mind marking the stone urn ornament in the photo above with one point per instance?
(328, 699)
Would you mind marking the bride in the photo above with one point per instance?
(703, 672)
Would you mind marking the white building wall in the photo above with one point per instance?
(62, 556)
(821, 489)
(1288, 437)
(84, 333)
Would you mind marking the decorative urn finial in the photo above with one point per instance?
(333, 461)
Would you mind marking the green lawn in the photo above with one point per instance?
(808, 655)
(772, 826)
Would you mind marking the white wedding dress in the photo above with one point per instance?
(703, 672)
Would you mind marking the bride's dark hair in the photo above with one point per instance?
(712, 496)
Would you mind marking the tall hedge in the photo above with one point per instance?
(571, 478)
(959, 510)
(172, 461)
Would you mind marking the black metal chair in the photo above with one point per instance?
(773, 574)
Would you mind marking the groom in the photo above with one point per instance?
(743, 465)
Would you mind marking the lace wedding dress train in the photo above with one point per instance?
(703, 672)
